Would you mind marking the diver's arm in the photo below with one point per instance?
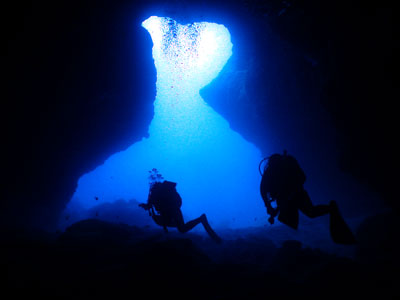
(270, 210)
(267, 199)
(145, 206)
(159, 220)
(273, 212)
(149, 205)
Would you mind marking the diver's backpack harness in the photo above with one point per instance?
(164, 197)
(281, 173)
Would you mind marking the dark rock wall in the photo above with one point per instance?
(316, 81)
(80, 85)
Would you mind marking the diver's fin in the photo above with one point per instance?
(209, 230)
(340, 231)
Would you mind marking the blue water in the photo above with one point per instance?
(189, 143)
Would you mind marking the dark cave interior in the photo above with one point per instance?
(314, 78)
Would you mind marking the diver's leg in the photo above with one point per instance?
(185, 227)
(209, 230)
(310, 210)
(160, 220)
(189, 225)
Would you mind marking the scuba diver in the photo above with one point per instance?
(164, 206)
(282, 183)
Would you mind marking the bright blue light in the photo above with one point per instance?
(189, 143)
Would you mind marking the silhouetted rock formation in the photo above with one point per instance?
(98, 260)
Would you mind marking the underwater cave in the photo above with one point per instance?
(189, 143)
(99, 95)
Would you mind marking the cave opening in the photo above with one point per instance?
(215, 168)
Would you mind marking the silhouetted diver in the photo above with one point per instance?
(282, 181)
(164, 206)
